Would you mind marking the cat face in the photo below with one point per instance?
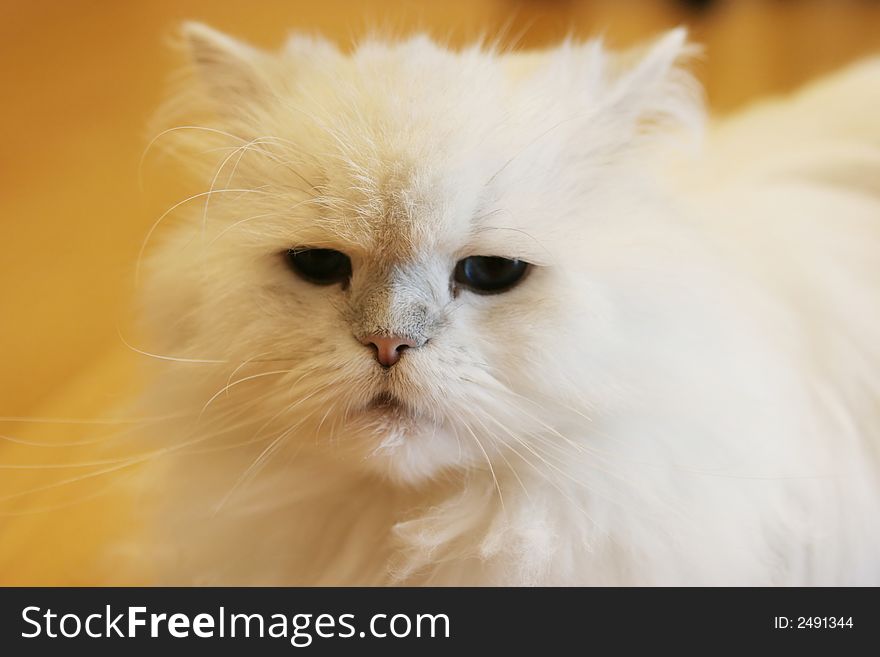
(402, 234)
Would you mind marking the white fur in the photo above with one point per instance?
(685, 390)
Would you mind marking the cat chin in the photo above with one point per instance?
(409, 451)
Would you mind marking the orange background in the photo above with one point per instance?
(79, 82)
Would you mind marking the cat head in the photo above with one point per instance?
(422, 256)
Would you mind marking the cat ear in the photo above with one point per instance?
(654, 61)
(301, 46)
(229, 69)
(656, 88)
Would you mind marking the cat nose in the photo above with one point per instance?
(388, 348)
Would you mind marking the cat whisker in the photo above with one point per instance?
(71, 480)
(504, 458)
(113, 484)
(173, 129)
(238, 382)
(152, 229)
(488, 463)
(97, 421)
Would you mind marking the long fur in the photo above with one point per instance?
(685, 389)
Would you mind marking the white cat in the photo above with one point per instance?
(474, 317)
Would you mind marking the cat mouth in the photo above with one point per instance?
(386, 402)
(387, 406)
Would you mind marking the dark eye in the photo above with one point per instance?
(490, 274)
(319, 266)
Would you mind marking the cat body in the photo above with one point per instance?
(684, 388)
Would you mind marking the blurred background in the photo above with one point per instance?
(80, 80)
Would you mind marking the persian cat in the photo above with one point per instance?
(510, 318)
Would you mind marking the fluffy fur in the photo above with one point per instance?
(685, 390)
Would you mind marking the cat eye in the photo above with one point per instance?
(319, 266)
(490, 274)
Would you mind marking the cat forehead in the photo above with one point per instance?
(403, 146)
(398, 207)
(398, 171)
(389, 175)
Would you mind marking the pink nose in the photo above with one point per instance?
(388, 348)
